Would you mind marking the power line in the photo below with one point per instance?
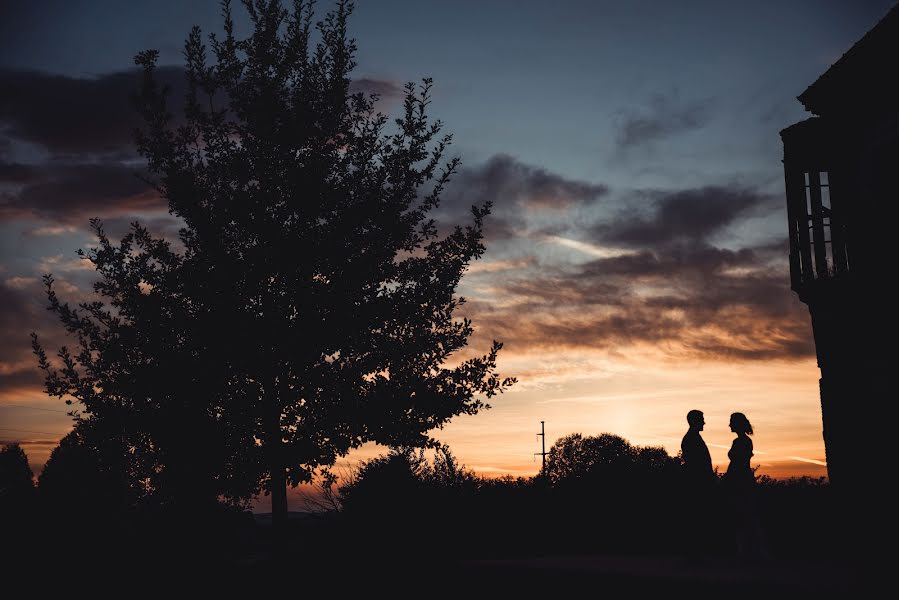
(29, 431)
(4, 405)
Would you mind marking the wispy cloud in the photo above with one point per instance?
(811, 461)
(586, 248)
(49, 230)
(518, 191)
(669, 393)
(496, 266)
(384, 88)
(68, 194)
(664, 115)
(58, 263)
(19, 283)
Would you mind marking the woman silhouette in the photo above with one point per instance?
(740, 481)
(739, 473)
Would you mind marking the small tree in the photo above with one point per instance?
(386, 484)
(86, 475)
(16, 478)
(656, 460)
(16, 500)
(575, 457)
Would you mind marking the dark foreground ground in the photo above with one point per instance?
(324, 557)
(379, 567)
(726, 577)
(369, 571)
(599, 575)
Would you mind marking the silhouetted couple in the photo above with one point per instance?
(738, 484)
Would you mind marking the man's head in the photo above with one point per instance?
(696, 420)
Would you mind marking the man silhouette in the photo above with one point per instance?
(697, 460)
(698, 486)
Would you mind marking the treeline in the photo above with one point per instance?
(598, 494)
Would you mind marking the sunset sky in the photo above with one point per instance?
(636, 264)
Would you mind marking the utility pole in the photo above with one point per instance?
(543, 451)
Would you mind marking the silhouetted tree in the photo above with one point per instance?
(575, 457)
(149, 381)
(16, 479)
(609, 490)
(383, 481)
(87, 473)
(655, 460)
(17, 510)
(445, 471)
(386, 485)
(311, 309)
(393, 499)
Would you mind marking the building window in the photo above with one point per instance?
(818, 221)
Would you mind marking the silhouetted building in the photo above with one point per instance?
(842, 175)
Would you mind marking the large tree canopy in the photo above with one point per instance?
(310, 306)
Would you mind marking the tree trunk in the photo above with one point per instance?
(277, 486)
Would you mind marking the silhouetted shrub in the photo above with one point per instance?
(16, 480)
(91, 473)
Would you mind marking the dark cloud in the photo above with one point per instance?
(779, 247)
(385, 89)
(669, 286)
(696, 278)
(70, 115)
(20, 310)
(693, 299)
(514, 188)
(166, 226)
(507, 181)
(23, 309)
(664, 116)
(74, 193)
(680, 261)
(15, 309)
(691, 215)
(17, 173)
(24, 378)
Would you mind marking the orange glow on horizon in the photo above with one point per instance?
(640, 393)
